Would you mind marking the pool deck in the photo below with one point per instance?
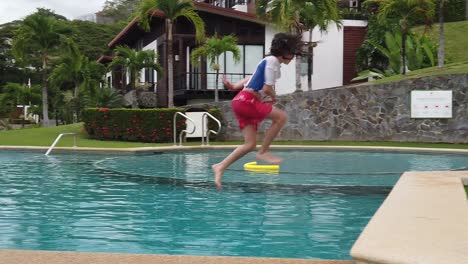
(423, 220)
(60, 257)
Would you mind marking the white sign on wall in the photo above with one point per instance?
(431, 104)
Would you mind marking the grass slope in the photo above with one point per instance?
(455, 36)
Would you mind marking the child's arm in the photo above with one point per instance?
(269, 92)
(235, 86)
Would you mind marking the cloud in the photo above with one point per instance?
(18, 9)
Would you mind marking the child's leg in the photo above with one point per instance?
(278, 118)
(249, 145)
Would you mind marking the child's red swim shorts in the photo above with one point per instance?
(249, 110)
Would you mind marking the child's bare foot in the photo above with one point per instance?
(268, 157)
(218, 174)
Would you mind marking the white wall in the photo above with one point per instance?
(109, 74)
(327, 61)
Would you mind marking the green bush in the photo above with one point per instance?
(138, 125)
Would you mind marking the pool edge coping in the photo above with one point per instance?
(422, 220)
(66, 257)
(226, 147)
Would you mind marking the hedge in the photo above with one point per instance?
(138, 125)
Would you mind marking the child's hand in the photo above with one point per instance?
(227, 84)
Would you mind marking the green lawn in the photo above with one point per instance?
(46, 136)
(454, 68)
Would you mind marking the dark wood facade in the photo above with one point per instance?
(353, 39)
(217, 20)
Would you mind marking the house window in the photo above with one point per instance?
(149, 78)
(250, 55)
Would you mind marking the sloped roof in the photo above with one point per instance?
(105, 59)
(199, 6)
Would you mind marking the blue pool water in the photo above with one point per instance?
(166, 203)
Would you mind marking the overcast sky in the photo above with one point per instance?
(17, 9)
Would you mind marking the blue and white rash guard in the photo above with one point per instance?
(267, 72)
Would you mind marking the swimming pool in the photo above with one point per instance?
(166, 203)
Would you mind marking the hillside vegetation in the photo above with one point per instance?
(456, 39)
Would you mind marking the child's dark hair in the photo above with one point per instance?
(285, 44)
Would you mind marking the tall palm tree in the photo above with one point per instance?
(134, 61)
(39, 36)
(212, 49)
(172, 9)
(319, 13)
(406, 12)
(77, 70)
(285, 14)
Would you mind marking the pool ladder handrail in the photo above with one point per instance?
(205, 117)
(181, 132)
(57, 140)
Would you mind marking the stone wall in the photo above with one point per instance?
(366, 113)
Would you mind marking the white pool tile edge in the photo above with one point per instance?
(423, 220)
(291, 147)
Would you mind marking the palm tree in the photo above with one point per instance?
(39, 36)
(212, 49)
(172, 9)
(104, 97)
(134, 61)
(321, 14)
(405, 11)
(77, 70)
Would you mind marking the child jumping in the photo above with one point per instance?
(250, 110)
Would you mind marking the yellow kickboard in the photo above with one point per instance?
(252, 166)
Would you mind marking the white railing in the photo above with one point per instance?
(57, 140)
(205, 117)
(181, 132)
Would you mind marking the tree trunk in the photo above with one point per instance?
(170, 65)
(45, 103)
(403, 53)
(309, 62)
(216, 80)
(298, 74)
(441, 52)
(298, 61)
(76, 106)
(216, 87)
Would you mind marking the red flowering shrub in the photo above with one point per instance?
(142, 125)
